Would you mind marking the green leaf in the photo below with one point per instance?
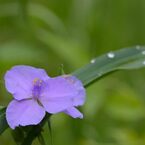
(61, 70)
(31, 135)
(34, 131)
(3, 122)
(128, 58)
(18, 135)
(41, 139)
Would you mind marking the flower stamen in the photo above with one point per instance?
(37, 87)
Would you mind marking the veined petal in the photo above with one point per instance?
(73, 112)
(78, 99)
(19, 80)
(55, 105)
(23, 113)
(61, 93)
(59, 87)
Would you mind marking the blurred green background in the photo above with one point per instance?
(49, 33)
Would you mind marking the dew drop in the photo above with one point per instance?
(111, 55)
(143, 52)
(93, 61)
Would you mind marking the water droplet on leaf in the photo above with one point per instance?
(111, 55)
(93, 61)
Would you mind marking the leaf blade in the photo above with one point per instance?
(3, 122)
(123, 59)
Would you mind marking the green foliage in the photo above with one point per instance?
(48, 33)
(3, 122)
(130, 58)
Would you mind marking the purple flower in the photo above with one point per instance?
(35, 93)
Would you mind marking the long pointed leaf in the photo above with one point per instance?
(128, 58)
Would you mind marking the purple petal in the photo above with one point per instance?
(26, 112)
(55, 105)
(79, 99)
(73, 112)
(19, 80)
(61, 93)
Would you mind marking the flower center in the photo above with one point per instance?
(37, 87)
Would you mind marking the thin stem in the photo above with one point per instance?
(50, 131)
(41, 139)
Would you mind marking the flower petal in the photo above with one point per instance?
(79, 99)
(61, 93)
(25, 112)
(19, 80)
(73, 112)
(56, 105)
